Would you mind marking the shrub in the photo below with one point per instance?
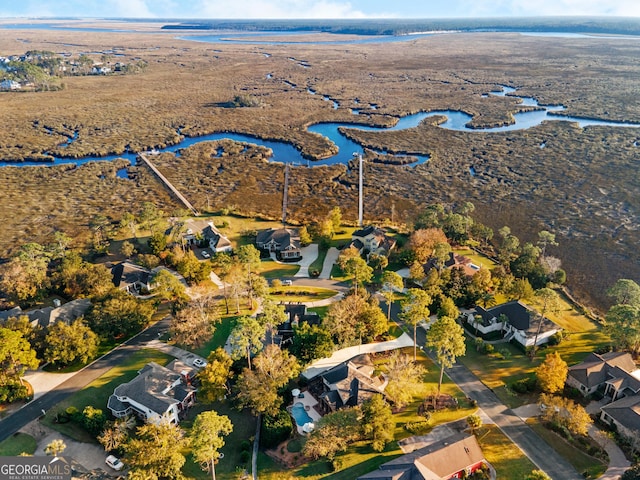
(506, 354)
(93, 420)
(417, 427)
(245, 446)
(276, 429)
(245, 456)
(12, 392)
(336, 464)
(488, 348)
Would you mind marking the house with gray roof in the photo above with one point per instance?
(372, 240)
(347, 384)
(618, 377)
(131, 278)
(521, 323)
(156, 394)
(204, 234)
(285, 242)
(457, 456)
(43, 317)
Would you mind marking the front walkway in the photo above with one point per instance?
(323, 364)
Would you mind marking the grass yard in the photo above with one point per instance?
(506, 457)
(588, 466)
(270, 269)
(97, 392)
(476, 258)
(301, 294)
(16, 444)
(244, 428)
(223, 329)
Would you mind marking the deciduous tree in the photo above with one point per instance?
(16, 355)
(311, 342)
(214, 377)
(355, 266)
(547, 301)
(446, 338)
(625, 292)
(552, 373)
(156, 451)
(246, 338)
(415, 309)
(405, 379)
(55, 447)
(68, 343)
(566, 413)
(333, 433)
(354, 320)
(423, 242)
(377, 422)
(194, 324)
(119, 314)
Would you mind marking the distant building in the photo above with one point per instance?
(285, 242)
(44, 317)
(457, 456)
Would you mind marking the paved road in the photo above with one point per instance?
(536, 449)
(33, 410)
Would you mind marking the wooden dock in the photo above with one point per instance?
(144, 157)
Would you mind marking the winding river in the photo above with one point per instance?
(286, 152)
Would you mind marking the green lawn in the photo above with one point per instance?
(301, 294)
(244, 428)
(16, 444)
(270, 269)
(506, 457)
(97, 392)
(588, 466)
(223, 329)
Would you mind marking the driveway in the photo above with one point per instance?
(332, 255)
(309, 255)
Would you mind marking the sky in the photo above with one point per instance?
(304, 9)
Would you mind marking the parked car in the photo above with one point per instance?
(114, 462)
(287, 283)
(205, 254)
(198, 362)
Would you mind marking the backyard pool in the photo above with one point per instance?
(301, 416)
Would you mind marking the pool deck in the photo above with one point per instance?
(308, 401)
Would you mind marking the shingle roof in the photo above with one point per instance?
(596, 369)
(625, 411)
(521, 317)
(126, 273)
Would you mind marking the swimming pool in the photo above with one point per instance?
(300, 415)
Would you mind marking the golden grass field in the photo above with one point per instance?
(584, 185)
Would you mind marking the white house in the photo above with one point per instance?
(204, 234)
(521, 323)
(372, 239)
(157, 394)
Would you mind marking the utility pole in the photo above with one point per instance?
(360, 200)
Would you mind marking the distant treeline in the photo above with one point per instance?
(596, 25)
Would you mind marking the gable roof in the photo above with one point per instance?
(612, 367)
(283, 237)
(521, 317)
(127, 273)
(626, 412)
(439, 460)
(155, 387)
(351, 382)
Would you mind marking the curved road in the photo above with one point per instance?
(33, 410)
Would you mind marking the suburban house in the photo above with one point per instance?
(347, 384)
(521, 323)
(297, 314)
(157, 394)
(457, 456)
(618, 377)
(285, 242)
(204, 234)
(43, 317)
(131, 278)
(454, 261)
(372, 240)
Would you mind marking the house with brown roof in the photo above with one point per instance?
(204, 234)
(521, 324)
(618, 377)
(454, 261)
(156, 394)
(457, 456)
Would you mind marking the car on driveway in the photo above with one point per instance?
(287, 283)
(114, 462)
(205, 254)
(198, 362)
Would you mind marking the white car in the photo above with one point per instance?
(205, 254)
(198, 362)
(287, 283)
(114, 462)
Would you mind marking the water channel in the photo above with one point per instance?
(287, 153)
